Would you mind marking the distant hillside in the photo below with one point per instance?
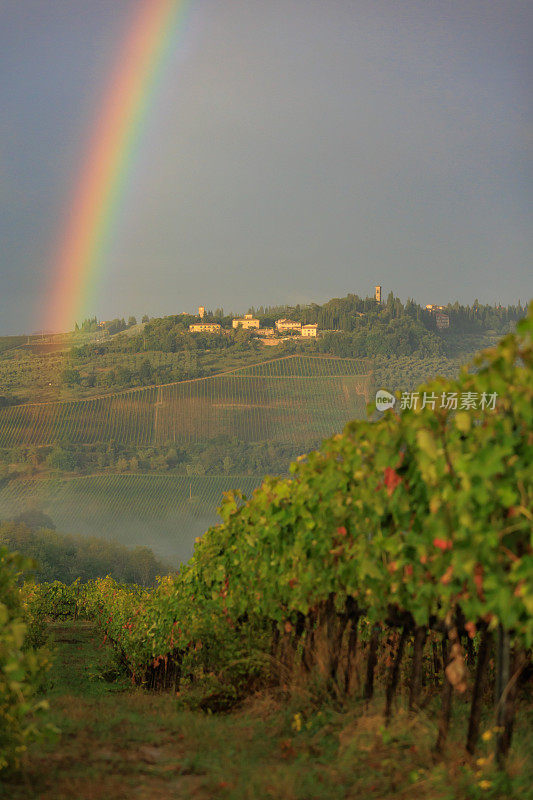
(65, 558)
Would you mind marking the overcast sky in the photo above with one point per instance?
(296, 150)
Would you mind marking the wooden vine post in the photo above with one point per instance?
(417, 666)
(483, 657)
(437, 664)
(371, 662)
(501, 691)
(445, 714)
(509, 670)
(353, 614)
(395, 673)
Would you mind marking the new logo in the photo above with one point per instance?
(384, 400)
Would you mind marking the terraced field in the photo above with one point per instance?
(298, 399)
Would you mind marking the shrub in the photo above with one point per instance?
(21, 670)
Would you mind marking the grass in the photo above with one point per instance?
(118, 742)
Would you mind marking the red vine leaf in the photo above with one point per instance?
(392, 479)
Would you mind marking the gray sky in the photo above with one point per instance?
(295, 150)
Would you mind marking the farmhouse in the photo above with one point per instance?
(205, 327)
(442, 320)
(288, 325)
(246, 322)
(309, 331)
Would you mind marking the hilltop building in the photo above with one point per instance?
(205, 327)
(201, 312)
(309, 331)
(378, 294)
(442, 320)
(288, 325)
(246, 322)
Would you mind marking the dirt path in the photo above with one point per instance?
(115, 742)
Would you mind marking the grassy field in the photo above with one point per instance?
(163, 512)
(28, 376)
(31, 367)
(10, 342)
(117, 743)
(35, 376)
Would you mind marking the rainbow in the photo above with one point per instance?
(78, 256)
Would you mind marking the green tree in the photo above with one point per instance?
(70, 377)
(227, 464)
(62, 459)
(146, 372)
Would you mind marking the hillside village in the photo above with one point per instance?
(286, 329)
(269, 336)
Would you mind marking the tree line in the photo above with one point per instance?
(62, 557)
(222, 455)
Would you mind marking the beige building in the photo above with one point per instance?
(442, 320)
(378, 294)
(433, 308)
(201, 312)
(205, 327)
(265, 331)
(246, 322)
(309, 331)
(288, 325)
